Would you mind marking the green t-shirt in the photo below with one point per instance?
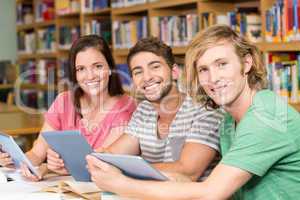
(266, 143)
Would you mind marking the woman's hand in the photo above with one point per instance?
(55, 163)
(5, 160)
(27, 174)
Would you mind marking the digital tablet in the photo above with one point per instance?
(9, 146)
(133, 166)
(72, 148)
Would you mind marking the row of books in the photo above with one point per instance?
(26, 42)
(24, 13)
(126, 3)
(67, 35)
(40, 100)
(247, 24)
(99, 27)
(46, 40)
(93, 5)
(44, 10)
(282, 21)
(175, 30)
(127, 33)
(284, 75)
(42, 72)
(67, 6)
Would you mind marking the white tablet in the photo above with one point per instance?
(133, 166)
(72, 148)
(9, 146)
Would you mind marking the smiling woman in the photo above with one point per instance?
(95, 104)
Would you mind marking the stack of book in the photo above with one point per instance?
(127, 33)
(284, 76)
(175, 30)
(282, 21)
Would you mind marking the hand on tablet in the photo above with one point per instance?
(106, 177)
(5, 159)
(55, 163)
(26, 173)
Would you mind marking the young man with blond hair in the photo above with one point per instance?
(259, 137)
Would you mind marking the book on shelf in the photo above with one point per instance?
(124, 74)
(175, 30)
(126, 3)
(46, 72)
(93, 5)
(24, 13)
(37, 99)
(26, 42)
(99, 27)
(27, 72)
(67, 6)
(127, 33)
(67, 35)
(282, 21)
(244, 20)
(44, 10)
(284, 76)
(46, 40)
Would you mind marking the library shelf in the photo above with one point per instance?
(70, 14)
(43, 24)
(37, 86)
(120, 52)
(26, 56)
(25, 27)
(179, 50)
(296, 106)
(279, 46)
(103, 11)
(46, 55)
(6, 86)
(131, 9)
(170, 3)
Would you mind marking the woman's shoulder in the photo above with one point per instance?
(126, 103)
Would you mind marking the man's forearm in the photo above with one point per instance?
(177, 167)
(35, 160)
(149, 190)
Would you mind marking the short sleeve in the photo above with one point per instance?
(135, 123)
(125, 114)
(257, 149)
(54, 115)
(205, 127)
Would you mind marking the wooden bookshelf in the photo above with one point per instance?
(44, 24)
(25, 27)
(158, 8)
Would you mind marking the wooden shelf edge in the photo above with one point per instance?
(102, 11)
(131, 9)
(296, 106)
(280, 46)
(6, 86)
(24, 27)
(45, 23)
(170, 3)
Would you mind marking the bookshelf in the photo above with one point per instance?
(138, 18)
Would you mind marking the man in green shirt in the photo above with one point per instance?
(260, 135)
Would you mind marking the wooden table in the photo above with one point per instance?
(5, 108)
(20, 123)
